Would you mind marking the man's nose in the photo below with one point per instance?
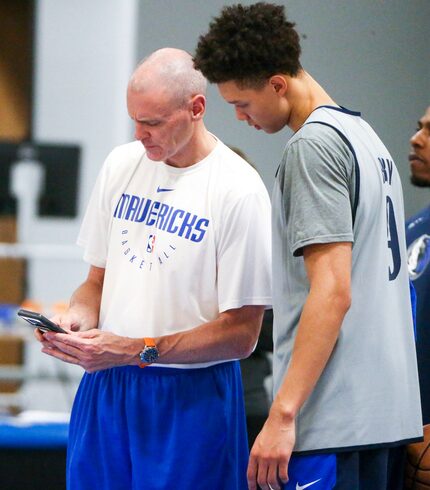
(140, 132)
(416, 139)
(240, 115)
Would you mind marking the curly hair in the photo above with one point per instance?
(248, 44)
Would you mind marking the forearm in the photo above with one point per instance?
(85, 301)
(232, 335)
(328, 267)
(84, 308)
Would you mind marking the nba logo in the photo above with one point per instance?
(150, 245)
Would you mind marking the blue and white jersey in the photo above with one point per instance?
(179, 245)
(418, 242)
(337, 182)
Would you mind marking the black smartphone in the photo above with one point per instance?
(39, 321)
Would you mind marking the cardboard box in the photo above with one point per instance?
(11, 354)
(7, 229)
(12, 291)
(12, 271)
(12, 281)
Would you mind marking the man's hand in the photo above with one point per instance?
(70, 320)
(271, 452)
(93, 350)
(74, 320)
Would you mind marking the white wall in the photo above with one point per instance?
(370, 55)
(84, 54)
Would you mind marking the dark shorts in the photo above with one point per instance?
(157, 429)
(367, 469)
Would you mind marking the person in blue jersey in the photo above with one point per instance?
(346, 395)
(418, 242)
(177, 236)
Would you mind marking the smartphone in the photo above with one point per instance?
(39, 321)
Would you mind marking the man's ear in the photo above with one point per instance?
(198, 106)
(279, 84)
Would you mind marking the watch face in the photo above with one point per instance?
(149, 354)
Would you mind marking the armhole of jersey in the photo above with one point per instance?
(356, 166)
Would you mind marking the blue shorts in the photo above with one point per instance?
(157, 429)
(366, 469)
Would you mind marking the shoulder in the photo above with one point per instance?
(235, 171)
(121, 161)
(128, 152)
(319, 134)
(118, 166)
(234, 176)
(331, 127)
(317, 148)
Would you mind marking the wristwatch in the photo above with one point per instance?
(149, 354)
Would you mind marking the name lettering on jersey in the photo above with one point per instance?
(387, 169)
(162, 216)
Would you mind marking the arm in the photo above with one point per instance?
(328, 268)
(232, 335)
(83, 312)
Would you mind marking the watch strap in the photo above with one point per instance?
(148, 342)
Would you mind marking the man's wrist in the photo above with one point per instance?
(149, 353)
(283, 410)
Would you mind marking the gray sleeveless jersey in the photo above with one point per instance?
(337, 182)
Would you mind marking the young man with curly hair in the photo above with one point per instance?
(345, 377)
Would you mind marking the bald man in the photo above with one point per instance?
(176, 237)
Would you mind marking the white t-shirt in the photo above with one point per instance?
(179, 245)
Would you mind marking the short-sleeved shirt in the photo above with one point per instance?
(179, 245)
(338, 183)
